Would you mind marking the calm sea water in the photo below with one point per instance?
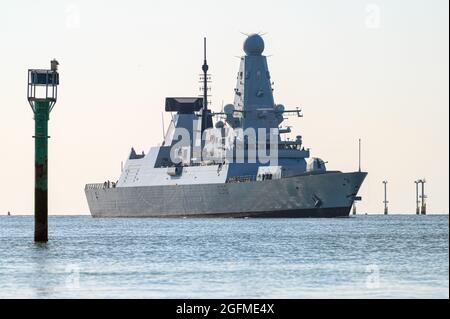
(357, 257)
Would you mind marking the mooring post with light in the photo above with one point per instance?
(417, 197)
(424, 205)
(42, 94)
(385, 198)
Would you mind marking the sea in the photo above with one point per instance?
(363, 256)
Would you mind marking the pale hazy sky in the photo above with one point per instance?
(371, 69)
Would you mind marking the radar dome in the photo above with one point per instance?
(254, 45)
(279, 108)
(229, 109)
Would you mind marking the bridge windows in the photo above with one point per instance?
(264, 177)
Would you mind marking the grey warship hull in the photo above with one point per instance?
(244, 165)
(329, 194)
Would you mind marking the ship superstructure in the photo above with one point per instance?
(239, 166)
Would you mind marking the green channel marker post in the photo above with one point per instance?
(41, 117)
(42, 95)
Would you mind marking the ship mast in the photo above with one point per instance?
(205, 111)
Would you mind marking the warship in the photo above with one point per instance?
(243, 165)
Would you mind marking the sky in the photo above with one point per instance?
(375, 70)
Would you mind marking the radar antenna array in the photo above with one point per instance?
(205, 79)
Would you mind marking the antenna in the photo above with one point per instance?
(359, 155)
(205, 68)
(206, 117)
(163, 129)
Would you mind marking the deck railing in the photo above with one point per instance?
(242, 179)
(96, 186)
